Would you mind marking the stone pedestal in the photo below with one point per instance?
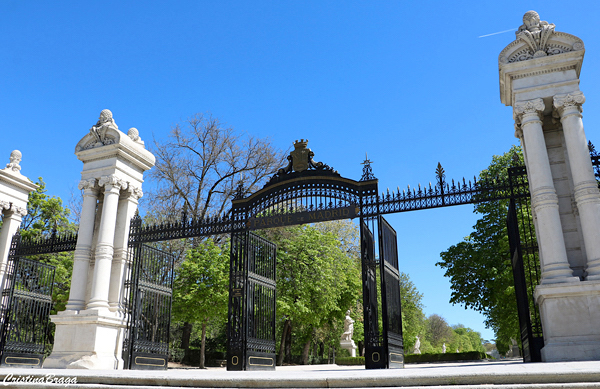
(571, 319)
(90, 332)
(350, 346)
(89, 339)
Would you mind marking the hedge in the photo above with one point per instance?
(422, 358)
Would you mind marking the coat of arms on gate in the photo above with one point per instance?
(301, 160)
(301, 155)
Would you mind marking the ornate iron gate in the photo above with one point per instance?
(150, 290)
(391, 306)
(525, 262)
(251, 325)
(26, 305)
(375, 355)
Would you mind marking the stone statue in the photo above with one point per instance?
(535, 33)
(15, 158)
(417, 348)
(105, 122)
(444, 348)
(348, 327)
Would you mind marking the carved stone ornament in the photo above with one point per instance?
(575, 99)
(535, 39)
(134, 134)
(522, 108)
(134, 192)
(99, 130)
(301, 160)
(15, 159)
(4, 205)
(112, 181)
(21, 211)
(87, 184)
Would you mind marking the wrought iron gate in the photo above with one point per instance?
(375, 355)
(26, 305)
(251, 325)
(525, 262)
(150, 290)
(391, 307)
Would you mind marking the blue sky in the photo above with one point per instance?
(410, 83)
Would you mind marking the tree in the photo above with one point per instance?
(437, 330)
(202, 164)
(479, 267)
(413, 318)
(198, 169)
(45, 214)
(316, 283)
(200, 290)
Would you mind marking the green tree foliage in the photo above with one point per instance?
(200, 290)
(413, 318)
(316, 283)
(479, 267)
(46, 214)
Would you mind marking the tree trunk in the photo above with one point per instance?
(282, 345)
(203, 345)
(305, 352)
(185, 340)
(288, 344)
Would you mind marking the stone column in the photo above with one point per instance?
(83, 250)
(587, 196)
(126, 211)
(11, 221)
(104, 248)
(554, 263)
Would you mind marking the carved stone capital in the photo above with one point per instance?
(4, 205)
(569, 103)
(135, 193)
(109, 182)
(88, 184)
(18, 210)
(527, 111)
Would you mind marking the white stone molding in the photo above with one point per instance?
(135, 192)
(21, 211)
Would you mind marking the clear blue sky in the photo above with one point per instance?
(411, 83)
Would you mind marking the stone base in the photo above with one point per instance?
(350, 346)
(89, 339)
(570, 316)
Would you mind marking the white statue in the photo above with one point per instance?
(105, 122)
(535, 33)
(348, 327)
(417, 348)
(444, 348)
(15, 158)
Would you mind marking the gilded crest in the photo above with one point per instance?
(300, 156)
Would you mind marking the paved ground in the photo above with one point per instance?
(504, 374)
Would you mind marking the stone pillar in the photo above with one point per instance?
(89, 334)
(14, 195)
(554, 266)
(587, 196)
(105, 246)
(11, 220)
(83, 250)
(127, 207)
(543, 65)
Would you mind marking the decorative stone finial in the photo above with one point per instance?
(105, 122)
(134, 134)
(15, 158)
(536, 34)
